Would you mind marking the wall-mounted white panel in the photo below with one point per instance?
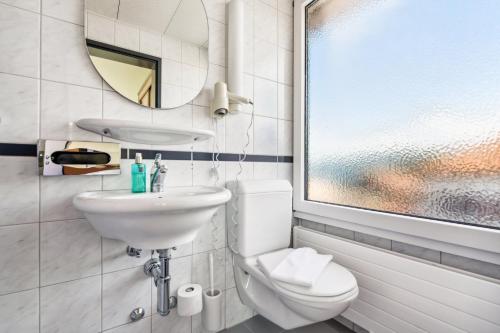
(401, 294)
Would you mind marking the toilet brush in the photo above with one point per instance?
(212, 303)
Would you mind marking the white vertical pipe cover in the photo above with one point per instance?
(236, 36)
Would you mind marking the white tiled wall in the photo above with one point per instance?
(56, 273)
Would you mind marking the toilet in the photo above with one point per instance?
(260, 222)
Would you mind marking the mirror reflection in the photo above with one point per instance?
(152, 52)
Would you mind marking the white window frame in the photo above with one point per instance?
(473, 242)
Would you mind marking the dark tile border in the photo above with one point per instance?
(30, 150)
(446, 259)
(17, 149)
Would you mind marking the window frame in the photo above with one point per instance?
(466, 240)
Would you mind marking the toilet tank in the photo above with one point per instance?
(263, 216)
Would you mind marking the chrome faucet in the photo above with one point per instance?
(158, 175)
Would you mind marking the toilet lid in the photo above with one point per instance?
(335, 280)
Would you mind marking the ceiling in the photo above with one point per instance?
(183, 19)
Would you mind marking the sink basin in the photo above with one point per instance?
(152, 220)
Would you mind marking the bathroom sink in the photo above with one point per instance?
(152, 220)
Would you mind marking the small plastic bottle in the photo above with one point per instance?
(138, 175)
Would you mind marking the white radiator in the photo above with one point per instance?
(403, 294)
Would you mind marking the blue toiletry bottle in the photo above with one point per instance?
(138, 175)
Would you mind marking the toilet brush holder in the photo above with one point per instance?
(212, 310)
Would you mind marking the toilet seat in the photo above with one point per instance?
(333, 282)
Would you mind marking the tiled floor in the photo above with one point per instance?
(259, 324)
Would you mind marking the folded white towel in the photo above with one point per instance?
(302, 267)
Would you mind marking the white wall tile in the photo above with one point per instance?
(285, 66)
(73, 306)
(124, 291)
(236, 312)
(233, 169)
(180, 173)
(205, 173)
(69, 250)
(19, 41)
(116, 106)
(141, 326)
(18, 190)
(236, 133)
(18, 109)
(114, 256)
(212, 234)
(19, 265)
(171, 323)
(171, 48)
(127, 36)
(64, 54)
(230, 282)
(265, 136)
(272, 3)
(190, 54)
(19, 312)
(63, 105)
(265, 22)
(265, 170)
(181, 272)
(204, 59)
(266, 97)
(181, 251)
(201, 269)
(122, 181)
(171, 72)
(285, 171)
(285, 31)
(285, 6)
(66, 10)
(100, 28)
(266, 60)
(57, 194)
(285, 137)
(150, 43)
(285, 102)
(171, 96)
(33, 5)
(190, 77)
(217, 44)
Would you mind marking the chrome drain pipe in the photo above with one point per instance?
(159, 270)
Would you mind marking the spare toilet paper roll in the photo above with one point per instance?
(189, 300)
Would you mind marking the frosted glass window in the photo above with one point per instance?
(403, 107)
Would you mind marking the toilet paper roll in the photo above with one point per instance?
(189, 300)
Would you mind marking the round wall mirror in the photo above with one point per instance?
(152, 52)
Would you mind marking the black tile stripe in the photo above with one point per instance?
(16, 149)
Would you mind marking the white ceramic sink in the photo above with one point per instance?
(152, 220)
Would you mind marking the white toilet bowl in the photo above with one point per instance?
(291, 306)
(260, 222)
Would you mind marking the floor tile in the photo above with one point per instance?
(241, 328)
(259, 324)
